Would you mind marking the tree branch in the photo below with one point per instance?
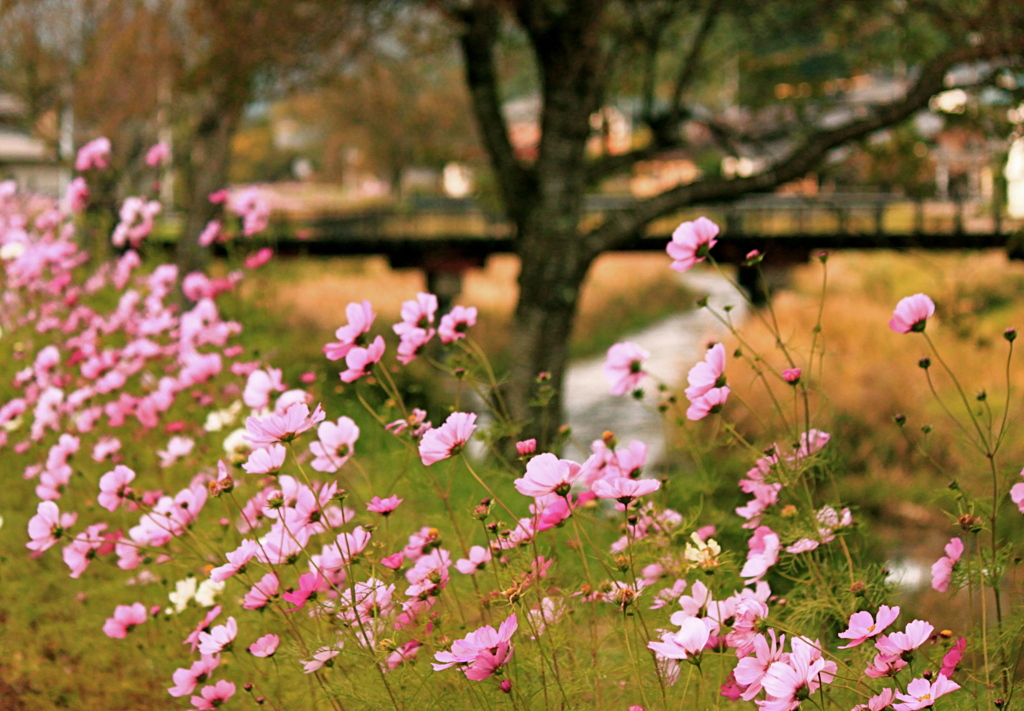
(477, 38)
(621, 227)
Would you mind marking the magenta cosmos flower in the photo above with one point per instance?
(692, 243)
(624, 367)
(448, 439)
(911, 314)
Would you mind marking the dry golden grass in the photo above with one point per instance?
(869, 373)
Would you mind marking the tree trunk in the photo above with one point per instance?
(550, 278)
(205, 170)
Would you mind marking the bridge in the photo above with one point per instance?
(444, 237)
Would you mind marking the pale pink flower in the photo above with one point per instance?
(917, 633)
(282, 428)
(692, 243)
(878, 702)
(911, 314)
(158, 153)
(262, 592)
(1017, 494)
(251, 205)
(259, 385)
(801, 675)
(219, 638)
(478, 558)
(125, 619)
(266, 460)
(688, 642)
(707, 374)
(921, 693)
(361, 360)
(210, 233)
(709, 403)
(186, 680)
(448, 439)
(322, 657)
(48, 526)
(177, 448)
(265, 646)
(863, 626)
(624, 490)
(624, 367)
(237, 560)
(93, 155)
(213, 696)
(547, 474)
(77, 195)
(105, 447)
(942, 569)
(455, 324)
(750, 670)
(384, 507)
(114, 487)
(406, 653)
(763, 554)
(335, 446)
(360, 319)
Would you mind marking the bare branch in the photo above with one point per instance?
(621, 227)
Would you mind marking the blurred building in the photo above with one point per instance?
(28, 160)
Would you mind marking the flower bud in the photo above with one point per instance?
(900, 419)
(1010, 334)
(924, 363)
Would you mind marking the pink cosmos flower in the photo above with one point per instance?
(48, 526)
(177, 448)
(707, 374)
(360, 319)
(361, 360)
(526, 447)
(763, 554)
(921, 693)
(917, 633)
(383, 506)
(952, 657)
(282, 428)
(911, 314)
(692, 243)
(258, 258)
(265, 646)
(792, 680)
(94, 154)
(309, 585)
(213, 696)
(624, 490)
(251, 205)
(186, 680)
(750, 670)
(480, 653)
(688, 642)
(478, 558)
(791, 375)
(237, 560)
(262, 592)
(210, 233)
(863, 626)
(125, 619)
(322, 657)
(266, 460)
(1017, 494)
(406, 653)
(455, 324)
(547, 474)
(624, 367)
(449, 439)
(77, 195)
(942, 569)
(219, 638)
(259, 385)
(157, 154)
(335, 446)
(709, 403)
(878, 702)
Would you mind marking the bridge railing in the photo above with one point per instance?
(761, 215)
